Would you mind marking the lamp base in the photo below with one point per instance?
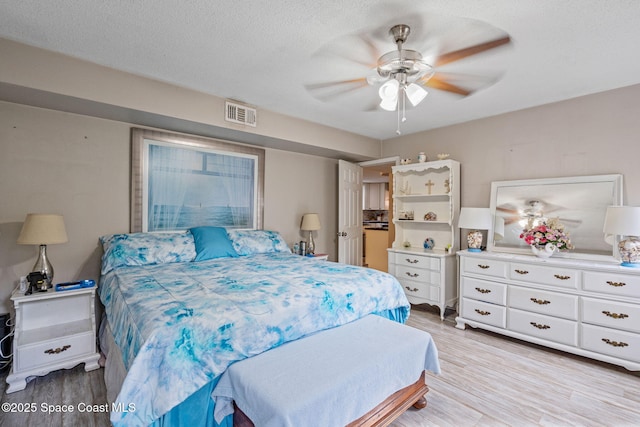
(630, 264)
(44, 266)
(311, 247)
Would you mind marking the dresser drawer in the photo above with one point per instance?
(616, 315)
(417, 274)
(624, 345)
(546, 327)
(483, 312)
(624, 285)
(416, 261)
(422, 290)
(483, 290)
(550, 303)
(53, 351)
(545, 275)
(485, 267)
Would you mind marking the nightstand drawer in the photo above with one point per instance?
(550, 303)
(53, 351)
(546, 327)
(490, 314)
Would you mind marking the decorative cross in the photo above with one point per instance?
(429, 184)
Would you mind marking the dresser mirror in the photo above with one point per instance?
(580, 203)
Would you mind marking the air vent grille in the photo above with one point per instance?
(238, 113)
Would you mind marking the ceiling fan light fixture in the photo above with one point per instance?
(415, 93)
(389, 104)
(389, 90)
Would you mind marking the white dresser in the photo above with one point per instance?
(589, 308)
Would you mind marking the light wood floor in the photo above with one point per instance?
(486, 380)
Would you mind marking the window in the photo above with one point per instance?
(182, 181)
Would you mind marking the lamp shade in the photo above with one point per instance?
(42, 229)
(622, 220)
(475, 218)
(310, 222)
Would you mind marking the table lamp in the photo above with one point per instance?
(624, 221)
(43, 230)
(475, 219)
(310, 223)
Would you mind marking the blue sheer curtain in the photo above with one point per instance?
(189, 187)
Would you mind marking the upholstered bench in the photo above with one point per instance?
(366, 372)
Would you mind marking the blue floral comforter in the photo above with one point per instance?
(180, 325)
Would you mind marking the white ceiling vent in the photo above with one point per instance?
(238, 113)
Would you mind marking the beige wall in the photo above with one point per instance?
(590, 135)
(78, 166)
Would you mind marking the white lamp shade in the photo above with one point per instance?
(415, 93)
(622, 220)
(310, 222)
(42, 229)
(475, 218)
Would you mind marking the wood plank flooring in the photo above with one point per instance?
(486, 380)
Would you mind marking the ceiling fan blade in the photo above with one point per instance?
(328, 90)
(439, 83)
(457, 55)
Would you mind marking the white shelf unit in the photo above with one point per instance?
(428, 276)
(411, 194)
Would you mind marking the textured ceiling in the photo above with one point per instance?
(264, 53)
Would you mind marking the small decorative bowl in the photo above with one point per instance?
(429, 243)
(443, 156)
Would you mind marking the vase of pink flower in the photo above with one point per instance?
(547, 238)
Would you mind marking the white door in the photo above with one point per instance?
(349, 213)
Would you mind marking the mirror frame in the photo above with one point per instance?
(534, 188)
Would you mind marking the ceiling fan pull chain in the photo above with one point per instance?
(398, 127)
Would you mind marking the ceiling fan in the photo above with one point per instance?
(533, 213)
(403, 74)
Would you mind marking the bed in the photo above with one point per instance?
(181, 308)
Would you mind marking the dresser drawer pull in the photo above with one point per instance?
(57, 350)
(615, 343)
(539, 326)
(522, 272)
(558, 276)
(540, 301)
(484, 267)
(615, 315)
(411, 290)
(482, 312)
(411, 274)
(483, 291)
(411, 261)
(616, 284)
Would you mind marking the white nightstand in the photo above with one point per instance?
(54, 330)
(320, 257)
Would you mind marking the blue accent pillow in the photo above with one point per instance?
(249, 242)
(212, 242)
(122, 250)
